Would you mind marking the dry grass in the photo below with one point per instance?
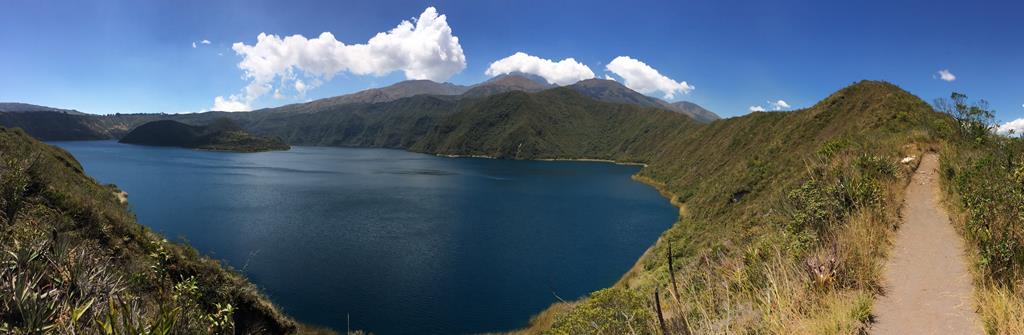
(1001, 310)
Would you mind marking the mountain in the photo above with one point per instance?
(396, 91)
(17, 107)
(553, 124)
(695, 111)
(221, 135)
(60, 125)
(612, 91)
(507, 83)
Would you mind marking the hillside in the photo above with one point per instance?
(784, 220)
(16, 107)
(221, 135)
(76, 261)
(556, 123)
(695, 111)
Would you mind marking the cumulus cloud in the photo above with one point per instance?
(194, 44)
(205, 41)
(945, 75)
(1015, 126)
(423, 48)
(563, 72)
(231, 104)
(776, 106)
(644, 79)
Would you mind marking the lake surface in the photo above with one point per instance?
(404, 243)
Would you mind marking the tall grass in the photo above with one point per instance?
(813, 269)
(74, 261)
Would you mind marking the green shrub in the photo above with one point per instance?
(608, 311)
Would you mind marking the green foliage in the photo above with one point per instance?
(811, 227)
(992, 194)
(74, 261)
(222, 135)
(608, 311)
(974, 119)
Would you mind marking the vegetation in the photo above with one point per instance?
(787, 220)
(788, 214)
(982, 172)
(221, 135)
(75, 261)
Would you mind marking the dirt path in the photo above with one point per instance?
(928, 288)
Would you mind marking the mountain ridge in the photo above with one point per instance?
(48, 125)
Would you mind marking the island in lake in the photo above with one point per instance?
(221, 135)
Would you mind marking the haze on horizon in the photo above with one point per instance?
(121, 56)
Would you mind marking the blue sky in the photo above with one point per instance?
(138, 56)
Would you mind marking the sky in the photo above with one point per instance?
(731, 57)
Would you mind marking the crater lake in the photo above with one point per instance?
(398, 242)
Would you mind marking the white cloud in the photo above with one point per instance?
(775, 106)
(645, 79)
(231, 104)
(193, 45)
(422, 49)
(563, 72)
(1017, 126)
(946, 75)
(607, 77)
(205, 41)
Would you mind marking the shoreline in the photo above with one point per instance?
(596, 160)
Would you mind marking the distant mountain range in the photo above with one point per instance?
(598, 89)
(411, 104)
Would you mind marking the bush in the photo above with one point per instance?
(608, 311)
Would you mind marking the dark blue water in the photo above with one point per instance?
(405, 243)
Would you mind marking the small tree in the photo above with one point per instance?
(974, 119)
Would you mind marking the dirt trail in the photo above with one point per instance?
(928, 287)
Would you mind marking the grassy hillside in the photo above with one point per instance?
(557, 123)
(76, 261)
(787, 218)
